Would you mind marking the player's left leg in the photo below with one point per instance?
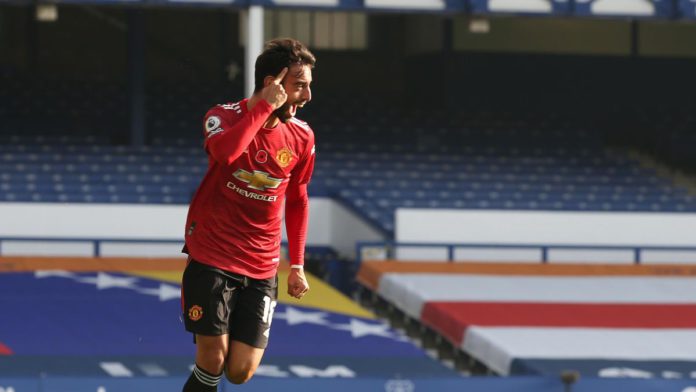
(208, 298)
(242, 361)
(250, 326)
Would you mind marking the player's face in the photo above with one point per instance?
(296, 85)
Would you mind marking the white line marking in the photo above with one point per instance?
(152, 370)
(116, 369)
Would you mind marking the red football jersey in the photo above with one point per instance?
(234, 220)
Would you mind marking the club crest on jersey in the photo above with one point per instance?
(195, 313)
(284, 157)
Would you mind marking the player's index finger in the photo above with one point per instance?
(281, 75)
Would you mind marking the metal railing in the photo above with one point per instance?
(390, 248)
(95, 242)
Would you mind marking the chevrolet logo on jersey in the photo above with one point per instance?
(257, 180)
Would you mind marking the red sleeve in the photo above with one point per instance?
(297, 207)
(296, 217)
(227, 136)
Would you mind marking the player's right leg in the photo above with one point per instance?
(250, 323)
(211, 352)
(210, 361)
(207, 300)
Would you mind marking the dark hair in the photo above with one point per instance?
(278, 54)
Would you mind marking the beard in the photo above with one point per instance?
(283, 113)
(287, 111)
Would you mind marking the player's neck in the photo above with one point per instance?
(272, 121)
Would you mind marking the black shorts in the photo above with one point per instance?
(217, 302)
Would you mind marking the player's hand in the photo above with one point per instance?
(274, 93)
(297, 283)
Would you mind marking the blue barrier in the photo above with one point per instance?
(472, 384)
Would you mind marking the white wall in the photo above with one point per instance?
(92, 220)
(545, 227)
(330, 224)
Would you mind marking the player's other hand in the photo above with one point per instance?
(273, 92)
(297, 283)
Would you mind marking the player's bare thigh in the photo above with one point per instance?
(242, 361)
(211, 352)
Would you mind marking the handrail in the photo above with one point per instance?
(390, 246)
(96, 242)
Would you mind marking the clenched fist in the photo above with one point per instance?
(297, 283)
(274, 93)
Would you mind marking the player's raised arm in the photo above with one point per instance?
(227, 139)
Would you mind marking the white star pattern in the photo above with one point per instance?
(102, 280)
(295, 316)
(357, 328)
(165, 292)
(106, 281)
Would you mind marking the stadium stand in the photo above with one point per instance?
(375, 184)
(516, 133)
(478, 160)
(415, 117)
(541, 319)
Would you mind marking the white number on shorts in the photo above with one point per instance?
(268, 309)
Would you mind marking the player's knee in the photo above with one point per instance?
(239, 376)
(211, 364)
(211, 359)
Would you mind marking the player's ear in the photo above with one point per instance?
(268, 80)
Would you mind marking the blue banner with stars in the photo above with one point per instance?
(117, 331)
(120, 325)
